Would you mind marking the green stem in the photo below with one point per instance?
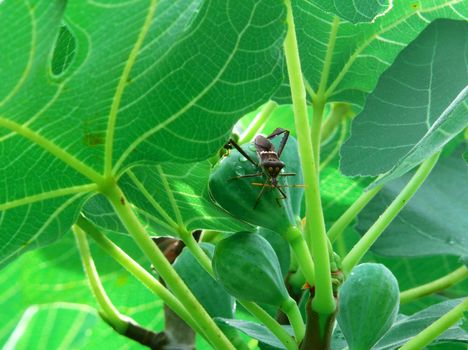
(321, 98)
(331, 156)
(257, 124)
(316, 130)
(439, 284)
(315, 227)
(270, 323)
(110, 312)
(350, 214)
(251, 307)
(339, 113)
(361, 247)
(301, 252)
(425, 337)
(291, 310)
(135, 269)
(214, 335)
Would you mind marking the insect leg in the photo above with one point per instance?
(260, 194)
(282, 193)
(277, 132)
(241, 151)
(287, 174)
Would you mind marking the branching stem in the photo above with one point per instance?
(214, 335)
(135, 269)
(109, 311)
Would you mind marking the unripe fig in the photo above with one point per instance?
(239, 196)
(368, 305)
(247, 266)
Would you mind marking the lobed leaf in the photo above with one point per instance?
(361, 52)
(146, 81)
(354, 11)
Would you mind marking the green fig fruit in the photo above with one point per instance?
(248, 268)
(368, 305)
(238, 196)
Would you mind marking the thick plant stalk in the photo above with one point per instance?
(315, 228)
(437, 328)
(374, 232)
(447, 281)
(212, 332)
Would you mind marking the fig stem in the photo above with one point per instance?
(134, 227)
(437, 328)
(291, 310)
(374, 232)
(303, 258)
(452, 278)
(315, 228)
(258, 123)
(109, 311)
(135, 269)
(350, 214)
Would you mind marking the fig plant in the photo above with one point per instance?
(125, 221)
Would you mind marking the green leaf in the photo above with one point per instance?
(362, 52)
(354, 11)
(55, 326)
(180, 192)
(407, 327)
(54, 274)
(368, 307)
(255, 330)
(433, 222)
(247, 266)
(209, 292)
(419, 105)
(145, 90)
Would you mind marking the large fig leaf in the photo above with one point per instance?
(354, 11)
(121, 83)
(360, 52)
(419, 105)
(54, 275)
(58, 326)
